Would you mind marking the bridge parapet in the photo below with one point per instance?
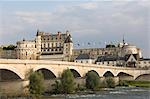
(21, 67)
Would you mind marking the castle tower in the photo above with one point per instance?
(68, 47)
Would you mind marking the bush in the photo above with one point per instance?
(110, 82)
(57, 87)
(66, 84)
(122, 83)
(80, 87)
(36, 87)
(92, 81)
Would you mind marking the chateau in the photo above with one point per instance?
(59, 47)
(46, 46)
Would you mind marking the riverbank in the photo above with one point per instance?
(145, 84)
(106, 93)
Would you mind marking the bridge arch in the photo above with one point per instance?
(47, 73)
(94, 72)
(8, 75)
(143, 77)
(50, 69)
(14, 70)
(76, 74)
(108, 74)
(125, 76)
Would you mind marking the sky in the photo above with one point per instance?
(97, 22)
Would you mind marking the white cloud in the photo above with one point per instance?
(33, 17)
(89, 5)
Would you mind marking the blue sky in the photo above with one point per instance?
(94, 21)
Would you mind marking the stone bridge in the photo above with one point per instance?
(53, 69)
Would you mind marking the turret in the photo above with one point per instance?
(68, 47)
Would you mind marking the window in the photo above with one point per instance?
(108, 62)
(52, 44)
(48, 45)
(59, 44)
(56, 44)
(103, 62)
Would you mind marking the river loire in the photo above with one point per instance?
(117, 93)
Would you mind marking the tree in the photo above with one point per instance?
(110, 46)
(67, 81)
(92, 80)
(57, 87)
(36, 81)
(110, 82)
(10, 47)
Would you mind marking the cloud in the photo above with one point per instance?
(33, 17)
(99, 21)
(89, 5)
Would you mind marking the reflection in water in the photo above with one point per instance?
(117, 93)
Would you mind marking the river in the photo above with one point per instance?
(117, 93)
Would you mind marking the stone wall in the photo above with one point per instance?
(8, 54)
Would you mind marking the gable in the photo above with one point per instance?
(131, 59)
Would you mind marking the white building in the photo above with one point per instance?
(26, 49)
(46, 46)
(84, 58)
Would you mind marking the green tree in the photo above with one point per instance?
(67, 81)
(36, 81)
(10, 47)
(92, 81)
(57, 87)
(110, 82)
(110, 46)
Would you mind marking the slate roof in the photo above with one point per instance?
(83, 56)
(68, 39)
(109, 58)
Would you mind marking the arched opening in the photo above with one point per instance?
(108, 74)
(47, 73)
(8, 75)
(75, 73)
(144, 77)
(93, 71)
(125, 76)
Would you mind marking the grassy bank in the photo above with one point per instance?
(145, 84)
